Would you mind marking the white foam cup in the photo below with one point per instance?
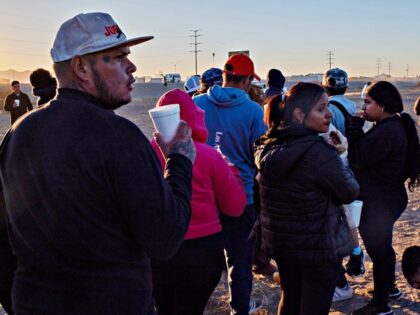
(166, 120)
(355, 209)
(17, 102)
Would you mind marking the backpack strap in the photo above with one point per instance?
(341, 107)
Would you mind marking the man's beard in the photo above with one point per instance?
(104, 94)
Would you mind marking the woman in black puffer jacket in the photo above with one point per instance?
(303, 184)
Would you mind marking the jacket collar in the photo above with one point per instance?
(68, 93)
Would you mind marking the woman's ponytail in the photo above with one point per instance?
(274, 114)
(412, 161)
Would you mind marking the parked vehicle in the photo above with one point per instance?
(172, 78)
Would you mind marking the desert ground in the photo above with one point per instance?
(406, 232)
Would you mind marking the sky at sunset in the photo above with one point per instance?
(293, 36)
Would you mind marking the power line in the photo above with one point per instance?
(195, 43)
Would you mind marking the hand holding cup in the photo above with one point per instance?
(181, 143)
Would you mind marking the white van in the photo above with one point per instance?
(172, 78)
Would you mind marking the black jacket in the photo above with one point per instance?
(303, 183)
(88, 206)
(378, 157)
(25, 105)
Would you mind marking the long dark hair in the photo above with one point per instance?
(280, 108)
(386, 95)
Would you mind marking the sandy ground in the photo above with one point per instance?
(406, 232)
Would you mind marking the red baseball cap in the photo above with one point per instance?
(240, 64)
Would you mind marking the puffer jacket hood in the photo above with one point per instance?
(226, 96)
(189, 111)
(289, 154)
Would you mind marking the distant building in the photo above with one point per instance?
(237, 52)
(311, 77)
(155, 80)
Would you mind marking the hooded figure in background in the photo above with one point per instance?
(275, 83)
(44, 85)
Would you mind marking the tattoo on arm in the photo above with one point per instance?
(185, 148)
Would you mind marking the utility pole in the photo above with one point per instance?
(330, 58)
(378, 65)
(389, 68)
(406, 70)
(195, 43)
(175, 63)
(213, 54)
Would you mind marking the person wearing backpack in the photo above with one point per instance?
(335, 82)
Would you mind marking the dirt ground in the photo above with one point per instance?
(406, 232)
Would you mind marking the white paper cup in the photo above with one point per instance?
(166, 120)
(355, 209)
(17, 102)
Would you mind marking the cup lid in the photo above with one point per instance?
(164, 110)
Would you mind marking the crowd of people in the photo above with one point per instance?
(97, 219)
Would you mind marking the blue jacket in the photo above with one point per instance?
(234, 123)
(337, 116)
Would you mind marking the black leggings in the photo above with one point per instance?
(307, 290)
(183, 284)
(379, 214)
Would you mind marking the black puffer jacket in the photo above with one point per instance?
(303, 183)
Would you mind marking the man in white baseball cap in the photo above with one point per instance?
(86, 202)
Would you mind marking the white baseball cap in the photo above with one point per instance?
(89, 33)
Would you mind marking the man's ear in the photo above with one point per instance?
(298, 115)
(246, 84)
(81, 67)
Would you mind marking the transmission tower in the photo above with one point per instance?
(378, 65)
(389, 68)
(406, 70)
(195, 43)
(330, 59)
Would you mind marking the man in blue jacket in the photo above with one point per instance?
(234, 123)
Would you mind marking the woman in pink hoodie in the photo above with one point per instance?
(183, 284)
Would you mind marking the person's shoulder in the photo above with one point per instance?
(392, 125)
(121, 123)
(208, 151)
(320, 145)
(343, 100)
(202, 98)
(251, 106)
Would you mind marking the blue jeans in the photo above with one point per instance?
(239, 257)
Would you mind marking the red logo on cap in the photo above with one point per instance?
(112, 30)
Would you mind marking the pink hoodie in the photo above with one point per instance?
(216, 186)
